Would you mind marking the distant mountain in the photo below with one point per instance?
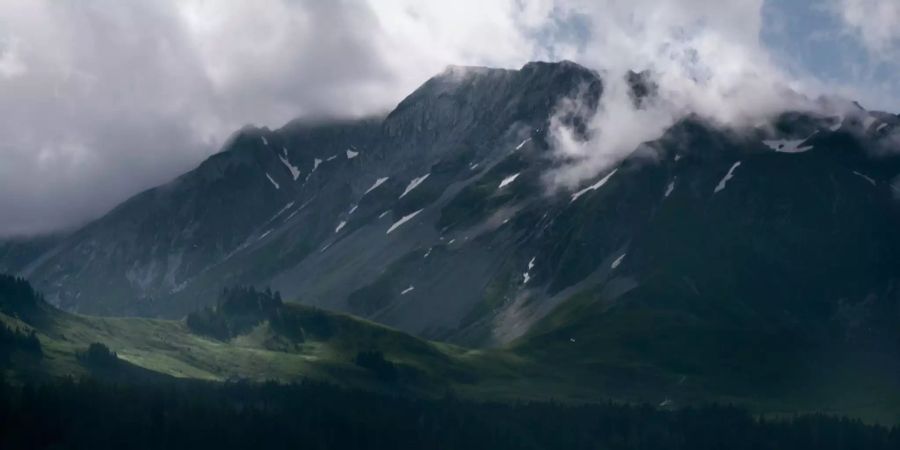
(434, 219)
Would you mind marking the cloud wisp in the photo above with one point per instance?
(705, 60)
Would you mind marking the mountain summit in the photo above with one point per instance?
(762, 265)
(435, 219)
(274, 204)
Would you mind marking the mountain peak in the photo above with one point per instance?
(465, 95)
(563, 64)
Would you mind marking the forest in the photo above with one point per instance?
(93, 414)
(121, 406)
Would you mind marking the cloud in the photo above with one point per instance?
(11, 65)
(875, 22)
(101, 99)
(89, 108)
(705, 57)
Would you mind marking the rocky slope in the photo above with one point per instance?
(435, 219)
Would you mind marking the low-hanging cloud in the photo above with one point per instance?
(705, 59)
(101, 99)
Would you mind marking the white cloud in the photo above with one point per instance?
(875, 22)
(11, 64)
(706, 58)
(101, 99)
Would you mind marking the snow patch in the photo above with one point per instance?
(403, 220)
(331, 158)
(295, 171)
(291, 216)
(280, 212)
(618, 261)
(838, 124)
(728, 176)
(881, 127)
(678, 157)
(352, 209)
(351, 154)
(670, 188)
(378, 182)
(316, 163)
(519, 147)
(506, 181)
(428, 252)
(264, 141)
(414, 184)
(594, 186)
(294, 213)
(868, 121)
(408, 290)
(788, 145)
(526, 277)
(273, 181)
(340, 226)
(867, 178)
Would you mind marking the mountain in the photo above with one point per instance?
(307, 208)
(756, 264)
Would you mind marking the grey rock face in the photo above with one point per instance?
(434, 218)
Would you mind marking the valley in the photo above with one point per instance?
(758, 267)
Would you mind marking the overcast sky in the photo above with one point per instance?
(100, 99)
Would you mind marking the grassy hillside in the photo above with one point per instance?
(299, 342)
(588, 350)
(704, 351)
(171, 348)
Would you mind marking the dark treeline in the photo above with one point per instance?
(239, 309)
(99, 355)
(18, 298)
(194, 415)
(13, 340)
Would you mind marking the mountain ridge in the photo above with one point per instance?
(243, 151)
(434, 218)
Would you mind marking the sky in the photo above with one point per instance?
(100, 99)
